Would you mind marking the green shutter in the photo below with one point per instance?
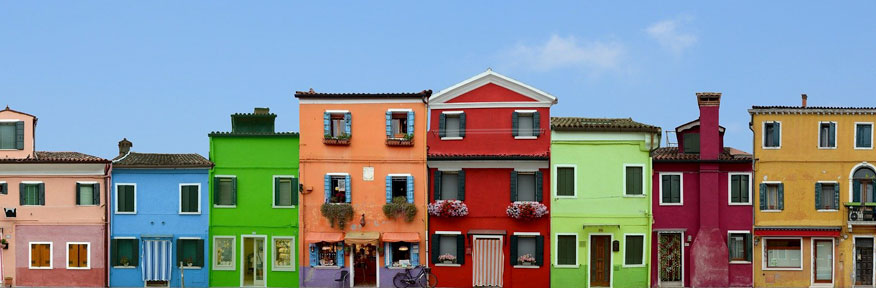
(19, 135)
(634, 180)
(295, 190)
(276, 191)
(818, 196)
(460, 249)
(184, 198)
(216, 198)
(781, 198)
(515, 124)
(121, 198)
(763, 204)
(735, 193)
(442, 123)
(513, 250)
(114, 252)
(536, 124)
(78, 191)
(436, 247)
(748, 247)
(42, 194)
(539, 250)
(199, 253)
(436, 185)
(836, 198)
(462, 124)
(234, 191)
(831, 137)
(856, 191)
(95, 195)
(538, 186)
(22, 194)
(513, 186)
(666, 189)
(131, 198)
(460, 185)
(4, 189)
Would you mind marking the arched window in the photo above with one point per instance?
(862, 185)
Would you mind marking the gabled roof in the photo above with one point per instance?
(56, 157)
(19, 112)
(440, 99)
(601, 124)
(692, 124)
(157, 160)
(314, 94)
(673, 154)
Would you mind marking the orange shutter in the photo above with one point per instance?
(46, 255)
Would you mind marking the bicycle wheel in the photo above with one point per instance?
(399, 280)
(428, 280)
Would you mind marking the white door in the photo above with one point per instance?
(488, 261)
(253, 261)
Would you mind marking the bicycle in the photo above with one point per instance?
(423, 279)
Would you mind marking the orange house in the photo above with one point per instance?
(364, 184)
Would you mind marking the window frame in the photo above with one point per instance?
(457, 114)
(136, 265)
(534, 173)
(32, 183)
(556, 182)
(393, 178)
(836, 139)
(836, 184)
(813, 258)
(82, 183)
(398, 111)
(116, 200)
(855, 135)
(644, 180)
(530, 113)
(12, 122)
(179, 198)
(332, 114)
(730, 188)
(448, 233)
(766, 196)
(193, 267)
(217, 187)
(213, 251)
(293, 248)
(455, 171)
(731, 232)
(533, 235)
(557, 248)
(763, 137)
(344, 176)
(51, 255)
(644, 250)
(660, 188)
(274, 195)
(765, 257)
(67, 255)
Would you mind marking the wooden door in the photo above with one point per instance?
(600, 261)
(863, 261)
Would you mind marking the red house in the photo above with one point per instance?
(702, 207)
(488, 154)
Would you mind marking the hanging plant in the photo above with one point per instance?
(447, 208)
(526, 210)
(338, 213)
(400, 207)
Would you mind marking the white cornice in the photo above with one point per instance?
(25, 169)
(492, 77)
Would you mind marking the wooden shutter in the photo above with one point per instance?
(462, 124)
(216, 197)
(818, 196)
(388, 124)
(856, 191)
(19, 135)
(436, 185)
(114, 252)
(340, 254)
(836, 193)
(295, 190)
(121, 198)
(831, 135)
(763, 204)
(348, 124)
(45, 255)
(539, 250)
(536, 124)
(184, 199)
(436, 247)
(666, 188)
(442, 123)
(95, 195)
(179, 252)
(135, 252)
(748, 247)
(314, 256)
(131, 198)
(328, 188)
(22, 194)
(348, 193)
(82, 252)
(411, 122)
(199, 253)
(513, 186)
(538, 186)
(42, 193)
(515, 124)
(735, 192)
(410, 189)
(781, 198)
(234, 191)
(78, 192)
(4, 189)
(513, 250)
(388, 189)
(277, 191)
(460, 249)
(326, 123)
(460, 185)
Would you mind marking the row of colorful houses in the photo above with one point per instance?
(477, 182)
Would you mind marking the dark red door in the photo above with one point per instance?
(600, 261)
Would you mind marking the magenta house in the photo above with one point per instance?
(702, 206)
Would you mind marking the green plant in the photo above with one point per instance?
(344, 136)
(327, 136)
(337, 213)
(400, 207)
(409, 136)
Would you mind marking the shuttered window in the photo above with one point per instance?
(772, 134)
(40, 255)
(567, 250)
(566, 181)
(526, 187)
(225, 191)
(634, 250)
(449, 186)
(7, 135)
(634, 181)
(4, 189)
(285, 191)
(125, 198)
(190, 199)
(190, 252)
(827, 135)
(670, 188)
(826, 196)
(526, 250)
(691, 143)
(125, 252)
(451, 126)
(739, 245)
(31, 194)
(449, 249)
(77, 255)
(739, 189)
(863, 135)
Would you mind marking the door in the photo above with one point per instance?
(157, 255)
(365, 265)
(253, 261)
(488, 261)
(823, 268)
(671, 265)
(600, 261)
(863, 261)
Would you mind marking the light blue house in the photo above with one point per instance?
(159, 219)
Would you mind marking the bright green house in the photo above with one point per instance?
(600, 202)
(254, 204)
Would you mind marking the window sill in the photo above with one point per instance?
(782, 269)
(284, 207)
(634, 266)
(327, 267)
(565, 197)
(448, 265)
(826, 210)
(525, 137)
(671, 204)
(224, 206)
(330, 141)
(126, 213)
(863, 148)
(399, 142)
(224, 268)
(567, 266)
(527, 266)
(189, 213)
(92, 205)
(124, 267)
(191, 268)
(771, 148)
(826, 148)
(40, 268)
(283, 270)
(739, 204)
(770, 211)
(740, 262)
(451, 138)
(634, 196)
(78, 268)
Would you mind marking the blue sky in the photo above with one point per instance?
(166, 73)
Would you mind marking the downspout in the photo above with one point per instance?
(753, 164)
(108, 170)
(426, 190)
(650, 200)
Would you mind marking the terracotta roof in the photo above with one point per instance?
(601, 124)
(156, 160)
(56, 157)
(314, 94)
(458, 156)
(673, 154)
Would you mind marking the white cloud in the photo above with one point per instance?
(565, 52)
(668, 34)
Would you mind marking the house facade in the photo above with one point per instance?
(159, 219)
(54, 228)
(253, 204)
(601, 218)
(489, 147)
(814, 220)
(363, 167)
(702, 203)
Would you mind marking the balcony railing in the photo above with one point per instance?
(861, 214)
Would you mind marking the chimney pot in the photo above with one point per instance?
(709, 99)
(261, 111)
(804, 99)
(125, 146)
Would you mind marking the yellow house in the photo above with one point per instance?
(814, 219)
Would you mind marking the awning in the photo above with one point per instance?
(798, 231)
(401, 237)
(487, 232)
(314, 237)
(362, 237)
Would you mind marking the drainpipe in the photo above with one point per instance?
(108, 170)
(753, 165)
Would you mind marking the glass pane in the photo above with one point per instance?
(783, 253)
(339, 186)
(634, 250)
(525, 187)
(86, 194)
(401, 251)
(224, 252)
(189, 252)
(225, 188)
(566, 250)
(395, 127)
(283, 250)
(259, 264)
(827, 196)
(823, 138)
(737, 247)
(399, 187)
(448, 245)
(525, 248)
(285, 191)
(865, 135)
(823, 260)
(524, 125)
(32, 194)
(451, 126)
(634, 180)
(126, 252)
(327, 253)
(449, 186)
(7, 136)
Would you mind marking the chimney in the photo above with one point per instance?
(804, 99)
(710, 136)
(125, 146)
(261, 111)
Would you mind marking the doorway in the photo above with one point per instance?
(488, 261)
(600, 260)
(822, 268)
(863, 261)
(253, 260)
(670, 259)
(364, 265)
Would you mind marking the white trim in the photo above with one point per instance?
(493, 164)
(855, 135)
(525, 137)
(763, 134)
(765, 257)
(399, 110)
(526, 111)
(31, 182)
(274, 194)
(644, 180)
(644, 245)
(526, 170)
(527, 233)
(439, 99)
(728, 245)
(476, 105)
(11, 120)
(216, 185)
(88, 254)
(274, 253)
(87, 182)
(660, 188)
(179, 198)
(30, 256)
(610, 256)
(832, 262)
(398, 175)
(337, 111)
(730, 188)
(116, 200)
(557, 247)
(574, 181)
(358, 101)
(264, 256)
(449, 232)
(338, 174)
(452, 112)
(233, 253)
(852, 181)
(451, 138)
(836, 139)
(681, 247)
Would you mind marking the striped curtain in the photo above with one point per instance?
(157, 260)
(489, 263)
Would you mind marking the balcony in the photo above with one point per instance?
(861, 214)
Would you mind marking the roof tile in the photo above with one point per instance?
(156, 160)
(673, 154)
(600, 124)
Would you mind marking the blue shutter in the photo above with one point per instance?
(388, 124)
(326, 123)
(347, 193)
(387, 254)
(818, 196)
(410, 194)
(328, 188)
(415, 254)
(411, 122)
(856, 191)
(340, 255)
(388, 189)
(781, 198)
(314, 257)
(763, 204)
(348, 123)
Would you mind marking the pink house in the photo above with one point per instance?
(54, 211)
(702, 207)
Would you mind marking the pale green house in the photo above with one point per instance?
(600, 202)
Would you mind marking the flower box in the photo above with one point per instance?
(336, 141)
(447, 208)
(526, 260)
(399, 142)
(526, 210)
(447, 259)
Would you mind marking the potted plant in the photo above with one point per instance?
(4, 243)
(526, 260)
(125, 261)
(189, 262)
(447, 208)
(400, 207)
(337, 213)
(526, 210)
(447, 259)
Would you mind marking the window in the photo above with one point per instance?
(634, 179)
(526, 249)
(32, 193)
(87, 194)
(691, 143)
(78, 254)
(40, 255)
(3, 188)
(401, 254)
(398, 124)
(864, 135)
(773, 198)
(567, 250)
(226, 191)
(450, 185)
(826, 196)
(338, 124)
(772, 135)
(862, 185)
(11, 135)
(327, 253)
(670, 188)
(827, 135)
(223, 252)
(284, 254)
(125, 252)
(451, 249)
(338, 186)
(452, 125)
(285, 191)
(190, 199)
(190, 252)
(525, 187)
(126, 198)
(783, 253)
(739, 245)
(399, 187)
(565, 182)
(525, 124)
(634, 250)
(740, 187)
